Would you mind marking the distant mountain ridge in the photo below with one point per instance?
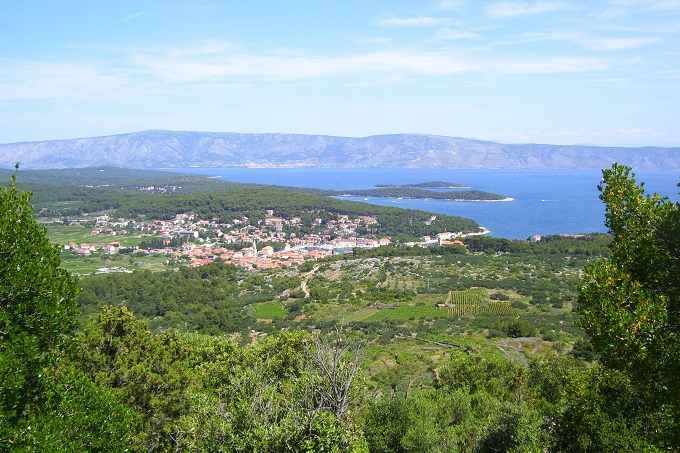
(169, 149)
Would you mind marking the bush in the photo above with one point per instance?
(515, 328)
(519, 305)
(583, 350)
(550, 336)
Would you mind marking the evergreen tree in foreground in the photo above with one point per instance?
(37, 307)
(630, 302)
(44, 406)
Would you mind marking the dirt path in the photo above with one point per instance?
(305, 277)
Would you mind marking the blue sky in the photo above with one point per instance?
(576, 72)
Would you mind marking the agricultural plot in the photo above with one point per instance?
(473, 302)
(79, 265)
(407, 312)
(359, 315)
(269, 310)
(458, 303)
(401, 284)
(75, 233)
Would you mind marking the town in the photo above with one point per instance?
(263, 244)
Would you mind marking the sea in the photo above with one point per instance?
(544, 201)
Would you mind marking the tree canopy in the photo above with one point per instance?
(37, 307)
(45, 405)
(629, 301)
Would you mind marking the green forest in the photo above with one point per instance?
(569, 344)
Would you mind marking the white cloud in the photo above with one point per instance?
(513, 9)
(647, 4)
(591, 43)
(133, 16)
(179, 68)
(620, 8)
(666, 4)
(375, 40)
(550, 65)
(451, 34)
(164, 71)
(414, 22)
(39, 80)
(609, 80)
(671, 73)
(617, 43)
(454, 5)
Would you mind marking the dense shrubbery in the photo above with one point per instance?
(201, 299)
(489, 405)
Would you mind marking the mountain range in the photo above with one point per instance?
(172, 149)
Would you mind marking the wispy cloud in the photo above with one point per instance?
(512, 9)
(616, 9)
(154, 71)
(645, 4)
(176, 68)
(671, 73)
(415, 22)
(666, 4)
(591, 43)
(609, 80)
(375, 40)
(454, 5)
(133, 16)
(40, 80)
(451, 34)
(550, 65)
(617, 43)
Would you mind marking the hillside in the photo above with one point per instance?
(169, 149)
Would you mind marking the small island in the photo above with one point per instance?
(405, 192)
(426, 185)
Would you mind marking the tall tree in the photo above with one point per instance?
(629, 302)
(37, 307)
(45, 404)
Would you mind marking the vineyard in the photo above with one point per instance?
(406, 312)
(474, 301)
(269, 310)
(458, 303)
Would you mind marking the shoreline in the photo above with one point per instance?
(484, 231)
(503, 200)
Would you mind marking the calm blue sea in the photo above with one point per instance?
(546, 201)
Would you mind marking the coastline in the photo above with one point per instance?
(484, 231)
(506, 199)
(578, 210)
(492, 201)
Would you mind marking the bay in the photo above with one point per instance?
(545, 201)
